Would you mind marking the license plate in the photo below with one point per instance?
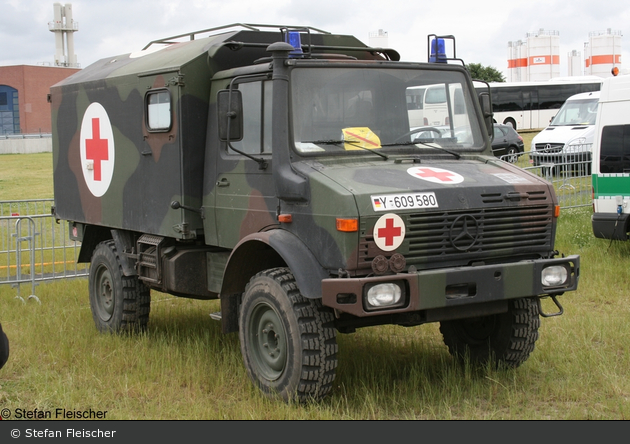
(404, 201)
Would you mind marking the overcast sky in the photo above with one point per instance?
(482, 28)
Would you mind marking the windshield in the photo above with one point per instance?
(351, 110)
(577, 112)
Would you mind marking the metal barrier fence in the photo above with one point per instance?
(33, 247)
(26, 136)
(570, 173)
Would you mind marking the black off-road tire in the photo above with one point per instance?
(505, 339)
(119, 303)
(288, 342)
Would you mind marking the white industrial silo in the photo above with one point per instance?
(517, 61)
(378, 39)
(602, 52)
(544, 55)
(574, 63)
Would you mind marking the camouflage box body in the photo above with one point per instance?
(340, 174)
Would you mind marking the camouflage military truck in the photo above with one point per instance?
(296, 176)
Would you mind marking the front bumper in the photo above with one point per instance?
(610, 226)
(559, 158)
(451, 287)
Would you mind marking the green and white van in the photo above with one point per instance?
(611, 161)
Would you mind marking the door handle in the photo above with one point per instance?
(223, 183)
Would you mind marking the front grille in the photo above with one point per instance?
(500, 232)
(549, 147)
(499, 197)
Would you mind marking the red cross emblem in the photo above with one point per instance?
(389, 232)
(442, 176)
(436, 175)
(96, 148)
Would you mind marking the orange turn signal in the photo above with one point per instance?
(556, 212)
(285, 218)
(347, 225)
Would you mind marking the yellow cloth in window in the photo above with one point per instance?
(360, 137)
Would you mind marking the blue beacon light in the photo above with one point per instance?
(438, 51)
(293, 38)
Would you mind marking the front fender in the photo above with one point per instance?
(269, 249)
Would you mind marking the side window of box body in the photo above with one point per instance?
(159, 115)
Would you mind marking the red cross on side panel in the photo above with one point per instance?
(96, 148)
(389, 232)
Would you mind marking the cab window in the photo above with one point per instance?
(256, 118)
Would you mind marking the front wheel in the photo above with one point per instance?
(288, 342)
(119, 303)
(511, 155)
(505, 339)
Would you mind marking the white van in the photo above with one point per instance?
(611, 161)
(569, 137)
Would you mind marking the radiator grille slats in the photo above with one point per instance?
(498, 232)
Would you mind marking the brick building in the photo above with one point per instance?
(23, 97)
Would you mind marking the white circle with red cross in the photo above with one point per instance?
(97, 149)
(389, 232)
(436, 175)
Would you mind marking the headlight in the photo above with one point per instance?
(576, 146)
(386, 295)
(554, 276)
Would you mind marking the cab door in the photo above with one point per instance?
(244, 189)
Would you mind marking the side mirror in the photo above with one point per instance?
(486, 110)
(230, 114)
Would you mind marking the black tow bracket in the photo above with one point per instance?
(555, 301)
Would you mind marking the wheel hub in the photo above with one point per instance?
(272, 340)
(268, 342)
(105, 294)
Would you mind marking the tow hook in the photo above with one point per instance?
(555, 301)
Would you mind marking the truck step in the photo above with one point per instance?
(149, 252)
(216, 316)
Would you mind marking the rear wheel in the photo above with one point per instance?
(288, 342)
(119, 303)
(511, 122)
(505, 339)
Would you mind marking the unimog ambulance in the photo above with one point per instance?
(275, 169)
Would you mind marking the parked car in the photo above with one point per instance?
(507, 144)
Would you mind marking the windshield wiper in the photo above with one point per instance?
(457, 155)
(340, 142)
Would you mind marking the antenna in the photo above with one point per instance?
(64, 27)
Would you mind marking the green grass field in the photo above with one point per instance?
(183, 367)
